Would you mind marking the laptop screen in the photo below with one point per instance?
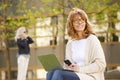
(49, 61)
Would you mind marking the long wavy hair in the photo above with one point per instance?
(19, 33)
(70, 29)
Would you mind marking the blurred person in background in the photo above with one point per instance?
(23, 40)
(84, 51)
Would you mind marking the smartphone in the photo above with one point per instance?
(67, 62)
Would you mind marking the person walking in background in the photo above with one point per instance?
(84, 51)
(23, 41)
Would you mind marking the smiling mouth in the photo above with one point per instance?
(80, 26)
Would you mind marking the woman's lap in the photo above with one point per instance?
(61, 74)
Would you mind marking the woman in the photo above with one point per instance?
(84, 51)
(23, 41)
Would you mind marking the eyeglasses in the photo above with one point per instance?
(78, 20)
(25, 31)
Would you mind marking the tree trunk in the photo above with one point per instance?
(111, 27)
(7, 52)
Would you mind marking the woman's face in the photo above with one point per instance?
(23, 33)
(78, 23)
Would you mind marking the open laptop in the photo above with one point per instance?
(49, 62)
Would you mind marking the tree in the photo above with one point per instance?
(8, 25)
(6, 38)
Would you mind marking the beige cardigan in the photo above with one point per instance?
(95, 60)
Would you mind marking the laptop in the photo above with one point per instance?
(49, 62)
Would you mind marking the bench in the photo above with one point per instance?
(112, 72)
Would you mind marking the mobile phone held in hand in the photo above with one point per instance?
(67, 62)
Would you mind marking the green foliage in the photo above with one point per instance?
(29, 10)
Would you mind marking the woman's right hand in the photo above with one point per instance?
(73, 67)
(69, 67)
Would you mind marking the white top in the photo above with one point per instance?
(78, 51)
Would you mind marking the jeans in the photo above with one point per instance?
(60, 74)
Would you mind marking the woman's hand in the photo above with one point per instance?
(73, 67)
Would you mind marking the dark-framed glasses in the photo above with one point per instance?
(78, 20)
